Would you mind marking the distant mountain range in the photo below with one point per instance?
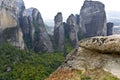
(113, 16)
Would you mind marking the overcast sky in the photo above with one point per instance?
(49, 8)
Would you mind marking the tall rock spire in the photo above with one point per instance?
(34, 31)
(59, 32)
(93, 19)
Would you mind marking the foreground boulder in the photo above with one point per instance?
(102, 44)
(87, 62)
(9, 24)
(93, 19)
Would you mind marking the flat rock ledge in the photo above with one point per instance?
(103, 44)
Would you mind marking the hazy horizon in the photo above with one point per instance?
(49, 8)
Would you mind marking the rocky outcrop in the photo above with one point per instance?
(93, 19)
(102, 44)
(72, 29)
(34, 31)
(59, 32)
(9, 24)
(109, 28)
(91, 60)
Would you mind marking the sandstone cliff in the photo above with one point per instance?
(9, 24)
(93, 19)
(90, 60)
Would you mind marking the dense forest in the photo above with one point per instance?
(27, 65)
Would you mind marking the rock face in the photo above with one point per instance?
(34, 31)
(93, 61)
(9, 24)
(102, 44)
(14, 17)
(59, 32)
(93, 19)
(110, 28)
(72, 29)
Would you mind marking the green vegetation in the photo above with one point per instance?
(96, 75)
(68, 46)
(82, 76)
(110, 77)
(22, 65)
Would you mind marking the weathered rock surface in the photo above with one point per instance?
(72, 29)
(9, 24)
(102, 44)
(92, 62)
(110, 28)
(59, 32)
(93, 19)
(34, 31)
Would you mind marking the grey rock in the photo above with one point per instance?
(72, 29)
(93, 19)
(9, 69)
(85, 60)
(109, 28)
(59, 32)
(34, 31)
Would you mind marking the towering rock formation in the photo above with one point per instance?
(72, 29)
(9, 24)
(93, 19)
(59, 32)
(14, 17)
(110, 28)
(34, 31)
(97, 58)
